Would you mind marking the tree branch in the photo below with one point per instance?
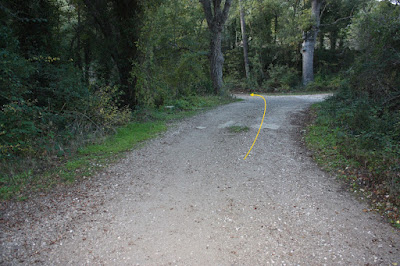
(337, 21)
(323, 10)
(207, 11)
(217, 7)
(226, 11)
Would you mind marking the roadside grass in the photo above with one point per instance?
(238, 129)
(125, 138)
(147, 123)
(371, 173)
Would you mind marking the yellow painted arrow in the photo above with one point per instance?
(265, 109)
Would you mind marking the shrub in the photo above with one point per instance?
(363, 139)
(18, 129)
(327, 83)
(375, 36)
(104, 110)
(281, 79)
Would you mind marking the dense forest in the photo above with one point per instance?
(72, 70)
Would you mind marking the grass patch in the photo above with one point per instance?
(147, 123)
(125, 138)
(238, 129)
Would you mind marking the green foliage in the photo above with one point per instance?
(125, 138)
(234, 65)
(306, 21)
(103, 108)
(45, 108)
(194, 102)
(354, 137)
(14, 69)
(374, 34)
(325, 141)
(281, 79)
(362, 118)
(327, 83)
(9, 187)
(173, 59)
(17, 128)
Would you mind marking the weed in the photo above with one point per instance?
(238, 129)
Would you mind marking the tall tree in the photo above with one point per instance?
(244, 39)
(216, 18)
(309, 39)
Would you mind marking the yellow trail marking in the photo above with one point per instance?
(265, 108)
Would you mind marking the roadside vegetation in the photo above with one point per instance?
(356, 133)
(238, 129)
(95, 153)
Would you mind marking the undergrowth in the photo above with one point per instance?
(358, 141)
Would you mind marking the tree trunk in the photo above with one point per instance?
(216, 19)
(309, 39)
(244, 39)
(216, 61)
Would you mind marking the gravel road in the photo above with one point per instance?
(189, 198)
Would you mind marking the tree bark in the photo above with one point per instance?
(309, 39)
(244, 39)
(216, 61)
(216, 19)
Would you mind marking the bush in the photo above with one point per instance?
(327, 83)
(364, 144)
(18, 129)
(14, 69)
(183, 104)
(45, 106)
(375, 36)
(367, 132)
(281, 79)
(234, 65)
(104, 111)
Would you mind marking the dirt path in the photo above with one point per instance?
(189, 198)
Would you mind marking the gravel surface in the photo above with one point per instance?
(189, 198)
